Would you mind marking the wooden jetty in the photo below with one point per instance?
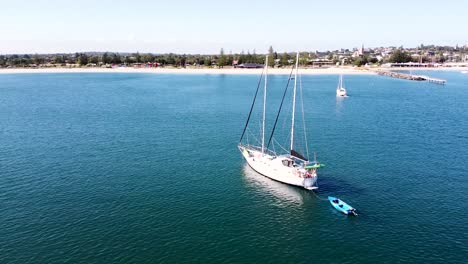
(411, 77)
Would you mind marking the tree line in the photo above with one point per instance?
(179, 60)
(182, 60)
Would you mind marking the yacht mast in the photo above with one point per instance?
(264, 104)
(294, 102)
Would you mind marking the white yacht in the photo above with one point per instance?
(289, 167)
(340, 90)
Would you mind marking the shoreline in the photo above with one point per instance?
(195, 71)
(229, 71)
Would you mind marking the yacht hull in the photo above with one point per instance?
(273, 168)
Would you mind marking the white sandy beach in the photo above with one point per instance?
(230, 71)
(183, 70)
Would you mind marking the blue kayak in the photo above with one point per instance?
(342, 206)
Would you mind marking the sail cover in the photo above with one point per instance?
(298, 155)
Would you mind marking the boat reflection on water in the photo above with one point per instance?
(283, 193)
(339, 104)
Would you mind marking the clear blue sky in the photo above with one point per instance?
(206, 26)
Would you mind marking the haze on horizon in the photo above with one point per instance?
(206, 26)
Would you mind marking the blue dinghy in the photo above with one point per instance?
(342, 206)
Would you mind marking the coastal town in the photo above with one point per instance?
(421, 56)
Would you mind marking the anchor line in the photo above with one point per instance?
(320, 198)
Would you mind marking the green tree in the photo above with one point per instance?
(271, 57)
(248, 57)
(82, 59)
(105, 58)
(229, 60)
(242, 58)
(177, 61)
(440, 57)
(284, 59)
(191, 60)
(148, 58)
(115, 58)
(373, 60)
(38, 60)
(360, 61)
(183, 61)
(207, 61)
(170, 59)
(138, 57)
(303, 60)
(400, 56)
(26, 60)
(161, 60)
(94, 59)
(222, 59)
(58, 59)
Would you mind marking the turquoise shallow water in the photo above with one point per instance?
(140, 168)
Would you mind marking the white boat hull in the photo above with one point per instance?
(273, 168)
(341, 93)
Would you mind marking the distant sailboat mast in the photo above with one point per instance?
(294, 102)
(264, 104)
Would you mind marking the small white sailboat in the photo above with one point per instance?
(291, 168)
(340, 90)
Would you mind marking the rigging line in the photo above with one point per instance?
(274, 149)
(253, 104)
(285, 120)
(252, 135)
(281, 105)
(303, 116)
(281, 147)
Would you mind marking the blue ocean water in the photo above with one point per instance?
(143, 168)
